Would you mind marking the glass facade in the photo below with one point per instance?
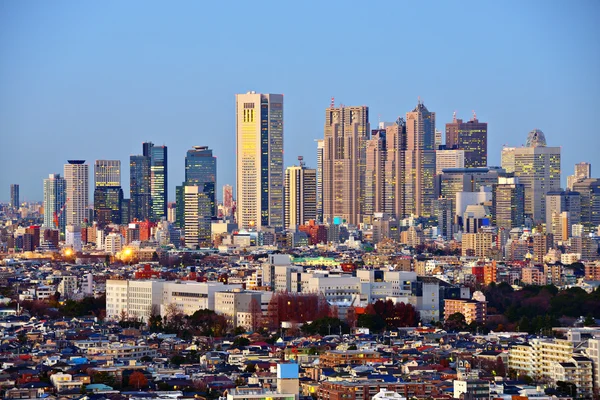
(139, 178)
(158, 179)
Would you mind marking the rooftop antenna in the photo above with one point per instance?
(474, 115)
(301, 161)
(454, 116)
(332, 102)
(419, 100)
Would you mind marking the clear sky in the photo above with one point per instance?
(94, 79)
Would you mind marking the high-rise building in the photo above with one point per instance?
(583, 170)
(419, 159)
(55, 196)
(344, 163)
(394, 177)
(300, 195)
(589, 190)
(508, 204)
(320, 149)
(449, 159)
(538, 169)
(107, 205)
(158, 179)
(445, 217)
(560, 204)
(438, 139)
(259, 160)
(77, 179)
(375, 173)
(228, 200)
(470, 136)
(201, 171)
(197, 219)
(139, 188)
(107, 173)
(14, 195)
(508, 159)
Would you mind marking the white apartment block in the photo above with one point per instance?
(242, 306)
(136, 299)
(593, 353)
(449, 159)
(192, 296)
(577, 370)
(537, 358)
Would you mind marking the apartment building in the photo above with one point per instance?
(537, 358)
(192, 296)
(577, 370)
(133, 299)
(473, 310)
(242, 307)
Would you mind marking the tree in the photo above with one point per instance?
(239, 330)
(256, 315)
(105, 378)
(456, 322)
(589, 321)
(241, 341)
(250, 368)
(138, 380)
(177, 360)
(326, 326)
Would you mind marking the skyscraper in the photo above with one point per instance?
(508, 203)
(419, 159)
(320, 148)
(375, 173)
(108, 195)
(196, 225)
(139, 188)
(538, 169)
(344, 163)
(394, 177)
(583, 170)
(227, 200)
(300, 195)
(107, 173)
(201, 171)
(589, 190)
(449, 159)
(259, 160)
(77, 179)
(158, 179)
(561, 202)
(508, 159)
(55, 196)
(14, 195)
(470, 136)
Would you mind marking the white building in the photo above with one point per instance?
(449, 159)
(192, 296)
(76, 174)
(113, 243)
(133, 299)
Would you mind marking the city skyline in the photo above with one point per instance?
(158, 92)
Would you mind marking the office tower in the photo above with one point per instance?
(125, 210)
(139, 188)
(445, 217)
(561, 204)
(449, 159)
(320, 149)
(394, 178)
(107, 205)
(470, 136)
(14, 195)
(197, 219)
(107, 173)
(508, 203)
(300, 195)
(589, 190)
(508, 159)
(583, 170)
(55, 196)
(538, 169)
(228, 200)
(259, 160)
(77, 175)
(375, 173)
(201, 171)
(158, 179)
(419, 159)
(438, 139)
(344, 163)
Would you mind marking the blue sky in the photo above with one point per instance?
(93, 80)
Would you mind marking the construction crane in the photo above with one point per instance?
(57, 215)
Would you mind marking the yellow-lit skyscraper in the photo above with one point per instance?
(259, 160)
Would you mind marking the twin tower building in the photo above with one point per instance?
(359, 172)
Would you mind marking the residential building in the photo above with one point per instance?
(473, 310)
(508, 159)
(14, 196)
(259, 160)
(137, 299)
(536, 358)
(76, 175)
(300, 195)
(190, 297)
(477, 244)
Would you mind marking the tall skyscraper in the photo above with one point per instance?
(449, 159)
(375, 173)
(197, 222)
(228, 200)
(201, 171)
(77, 178)
(394, 177)
(107, 173)
(108, 195)
(344, 163)
(419, 161)
(55, 196)
(589, 190)
(139, 188)
(158, 179)
(320, 148)
(508, 203)
(14, 195)
(470, 136)
(508, 159)
(538, 169)
(583, 170)
(300, 195)
(560, 204)
(259, 160)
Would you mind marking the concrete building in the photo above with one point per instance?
(14, 196)
(190, 297)
(508, 203)
(477, 244)
(320, 149)
(159, 185)
(583, 170)
(76, 174)
(589, 191)
(470, 136)
(55, 196)
(300, 195)
(137, 299)
(140, 203)
(561, 205)
(445, 159)
(538, 169)
(344, 163)
(107, 173)
(536, 359)
(473, 310)
(259, 160)
(242, 307)
(197, 219)
(287, 388)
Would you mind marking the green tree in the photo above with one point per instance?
(250, 368)
(589, 321)
(241, 341)
(177, 360)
